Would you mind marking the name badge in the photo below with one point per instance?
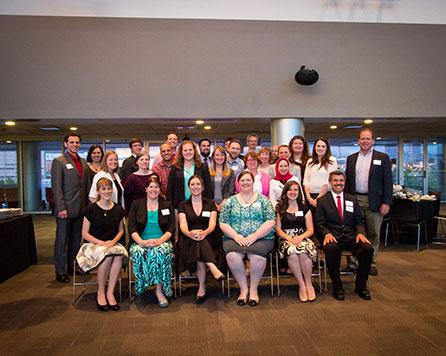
(349, 209)
(348, 203)
(165, 212)
(206, 214)
(299, 213)
(377, 162)
(69, 166)
(256, 205)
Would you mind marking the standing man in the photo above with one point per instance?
(252, 140)
(162, 168)
(274, 153)
(234, 161)
(172, 140)
(226, 143)
(128, 166)
(341, 226)
(69, 175)
(369, 177)
(205, 151)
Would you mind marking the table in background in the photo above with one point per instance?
(17, 245)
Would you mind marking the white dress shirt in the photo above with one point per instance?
(362, 170)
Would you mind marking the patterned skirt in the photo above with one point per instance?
(152, 266)
(306, 246)
(90, 255)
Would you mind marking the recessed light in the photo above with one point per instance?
(207, 127)
(199, 122)
(355, 144)
(9, 123)
(368, 121)
(50, 128)
(11, 142)
(435, 142)
(378, 138)
(107, 140)
(333, 127)
(73, 128)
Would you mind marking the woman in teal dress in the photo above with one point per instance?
(151, 225)
(247, 220)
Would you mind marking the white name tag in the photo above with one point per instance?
(165, 212)
(299, 213)
(69, 166)
(348, 203)
(349, 209)
(377, 162)
(256, 205)
(206, 214)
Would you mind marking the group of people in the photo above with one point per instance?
(218, 210)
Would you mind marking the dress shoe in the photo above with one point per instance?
(338, 294)
(169, 293)
(163, 303)
(364, 294)
(220, 278)
(373, 271)
(253, 302)
(62, 278)
(348, 269)
(200, 298)
(312, 296)
(114, 307)
(102, 308)
(242, 302)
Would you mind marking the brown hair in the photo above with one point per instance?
(198, 177)
(104, 161)
(134, 140)
(252, 155)
(282, 203)
(367, 129)
(267, 150)
(153, 178)
(103, 182)
(244, 173)
(139, 155)
(179, 160)
(305, 152)
(213, 169)
(326, 159)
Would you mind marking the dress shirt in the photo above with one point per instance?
(237, 166)
(335, 197)
(362, 170)
(206, 160)
(77, 162)
(162, 170)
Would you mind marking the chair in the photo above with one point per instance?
(345, 254)
(313, 275)
(270, 277)
(131, 281)
(180, 278)
(404, 213)
(85, 283)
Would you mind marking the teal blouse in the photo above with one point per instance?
(187, 176)
(246, 220)
(152, 229)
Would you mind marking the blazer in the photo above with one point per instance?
(69, 189)
(127, 168)
(380, 179)
(328, 220)
(175, 184)
(138, 217)
(227, 185)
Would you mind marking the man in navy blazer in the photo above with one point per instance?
(341, 227)
(69, 174)
(369, 177)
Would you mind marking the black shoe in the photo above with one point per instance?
(114, 307)
(62, 278)
(221, 278)
(200, 298)
(338, 294)
(102, 308)
(364, 294)
(373, 271)
(253, 302)
(242, 302)
(348, 269)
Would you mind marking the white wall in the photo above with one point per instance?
(371, 11)
(57, 67)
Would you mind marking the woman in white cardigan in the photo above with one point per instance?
(282, 176)
(109, 170)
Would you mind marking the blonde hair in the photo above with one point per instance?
(103, 182)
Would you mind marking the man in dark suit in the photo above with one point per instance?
(128, 166)
(369, 177)
(69, 175)
(341, 227)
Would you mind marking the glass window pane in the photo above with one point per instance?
(8, 175)
(436, 171)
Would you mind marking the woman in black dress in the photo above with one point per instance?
(198, 245)
(294, 225)
(103, 227)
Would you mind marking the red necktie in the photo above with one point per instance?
(340, 207)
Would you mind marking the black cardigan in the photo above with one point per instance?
(138, 217)
(175, 184)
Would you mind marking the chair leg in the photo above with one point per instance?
(387, 233)
(418, 241)
(229, 285)
(271, 274)
(277, 274)
(425, 233)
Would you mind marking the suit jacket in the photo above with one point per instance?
(127, 168)
(69, 189)
(380, 179)
(138, 217)
(328, 220)
(227, 185)
(175, 184)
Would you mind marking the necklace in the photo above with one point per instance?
(246, 201)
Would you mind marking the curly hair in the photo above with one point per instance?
(179, 158)
(282, 203)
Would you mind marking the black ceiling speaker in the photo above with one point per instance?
(306, 76)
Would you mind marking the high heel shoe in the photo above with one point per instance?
(253, 302)
(220, 278)
(200, 298)
(102, 308)
(241, 302)
(114, 307)
(312, 296)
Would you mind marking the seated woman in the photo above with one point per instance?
(282, 176)
(102, 227)
(247, 220)
(151, 225)
(198, 246)
(295, 227)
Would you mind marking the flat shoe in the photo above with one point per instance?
(364, 294)
(163, 303)
(339, 294)
(62, 278)
(115, 307)
(200, 298)
(253, 302)
(102, 308)
(242, 302)
(373, 271)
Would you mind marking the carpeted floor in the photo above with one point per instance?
(406, 316)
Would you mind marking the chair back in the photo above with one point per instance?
(404, 210)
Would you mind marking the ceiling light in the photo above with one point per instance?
(333, 127)
(352, 127)
(355, 144)
(73, 128)
(11, 142)
(368, 121)
(10, 123)
(435, 142)
(207, 127)
(199, 122)
(378, 138)
(50, 128)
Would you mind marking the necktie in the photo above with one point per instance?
(340, 207)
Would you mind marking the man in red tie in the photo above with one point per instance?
(341, 226)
